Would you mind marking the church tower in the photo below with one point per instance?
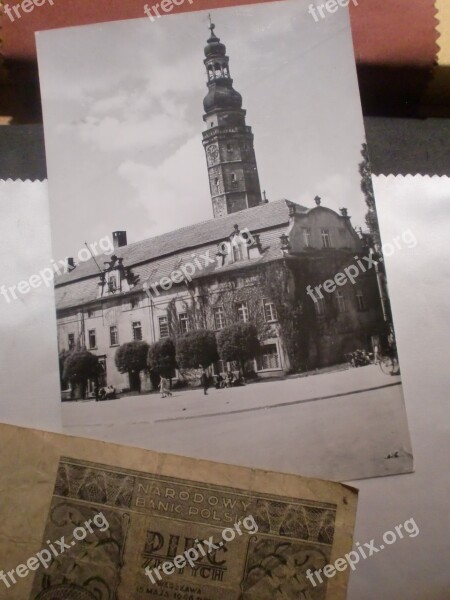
(228, 141)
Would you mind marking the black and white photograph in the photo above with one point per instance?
(220, 286)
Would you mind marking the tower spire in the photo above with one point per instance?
(228, 140)
(211, 25)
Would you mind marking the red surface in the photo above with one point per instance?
(395, 32)
(386, 32)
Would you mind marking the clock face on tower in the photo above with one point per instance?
(213, 153)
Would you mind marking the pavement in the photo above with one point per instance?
(340, 425)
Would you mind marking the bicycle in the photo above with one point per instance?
(388, 365)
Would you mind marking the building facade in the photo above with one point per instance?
(252, 262)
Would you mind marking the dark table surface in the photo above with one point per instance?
(396, 146)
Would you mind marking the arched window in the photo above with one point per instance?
(218, 70)
(210, 72)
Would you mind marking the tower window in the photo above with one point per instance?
(320, 306)
(229, 147)
(360, 300)
(233, 178)
(212, 123)
(341, 302)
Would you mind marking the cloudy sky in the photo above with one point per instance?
(123, 114)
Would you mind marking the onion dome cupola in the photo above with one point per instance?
(221, 94)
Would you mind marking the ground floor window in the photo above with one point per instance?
(219, 367)
(268, 358)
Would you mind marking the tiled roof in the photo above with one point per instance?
(158, 257)
(207, 232)
(85, 290)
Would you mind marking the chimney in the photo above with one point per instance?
(70, 264)
(119, 239)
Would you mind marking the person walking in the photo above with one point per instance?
(164, 387)
(230, 378)
(204, 380)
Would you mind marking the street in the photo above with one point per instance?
(339, 425)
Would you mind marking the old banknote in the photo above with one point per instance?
(97, 521)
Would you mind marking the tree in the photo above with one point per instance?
(161, 358)
(238, 342)
(79, 367)
(195, 348)
(367, 190)
(131, 358)
(62, 356)
(285, 283)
